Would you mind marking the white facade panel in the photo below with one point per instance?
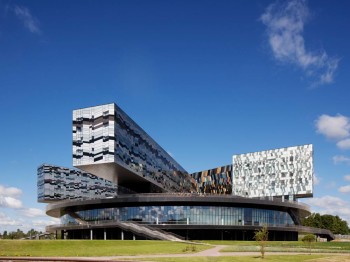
(278, 172)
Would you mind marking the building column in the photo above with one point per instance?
(122, 235)
(133, 237)
(91, 234)
(104, 234)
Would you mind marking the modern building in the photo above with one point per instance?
(125, 186)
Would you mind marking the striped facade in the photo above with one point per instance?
(106, 135)
(59, 183)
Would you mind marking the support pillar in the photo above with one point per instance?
(91, 234)
(104, 234)
(122, 235)
(133, 237)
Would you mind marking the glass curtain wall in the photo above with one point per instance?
(200, 215)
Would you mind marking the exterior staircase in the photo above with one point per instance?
(136, 228)
(148, 231)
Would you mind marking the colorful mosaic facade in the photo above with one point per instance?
(214, 181)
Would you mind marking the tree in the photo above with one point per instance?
(262, 236)
(309, 238)
(332, 223)
(32, 233)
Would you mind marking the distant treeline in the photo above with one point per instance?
(332, 223)
(19, 234)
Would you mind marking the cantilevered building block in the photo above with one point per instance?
(57, 183)
(109, 144)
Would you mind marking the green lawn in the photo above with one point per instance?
(268, 258)
(284, 246)
(88, 248)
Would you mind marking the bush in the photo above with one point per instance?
(308, 239)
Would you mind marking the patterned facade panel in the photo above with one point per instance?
(58, 183)
(214, 181)
(280, 172)
(105, 134)
(93, 135)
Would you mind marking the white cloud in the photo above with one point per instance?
(341, 159)
(344, 144)
(10, 202)
(29, 21)
(44, 223)
(334, 127)
(8, 197)
(7, 221)
(10, 191)
(347, 177)
(331, 205)
(317, 180)
(33, 212)
(344, 189)
(285, 25)
(39, 224)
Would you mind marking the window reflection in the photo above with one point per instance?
(204, 215)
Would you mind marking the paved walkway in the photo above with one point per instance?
(211, 252)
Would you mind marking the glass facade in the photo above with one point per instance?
(214, 181)
(105, 134)
(118, 156)
(194, 215)
(60, 183)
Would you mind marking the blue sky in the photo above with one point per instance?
(206, 79)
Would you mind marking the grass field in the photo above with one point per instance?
(100, 248)
(268, 258)
(88, 248)
(285, 246)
